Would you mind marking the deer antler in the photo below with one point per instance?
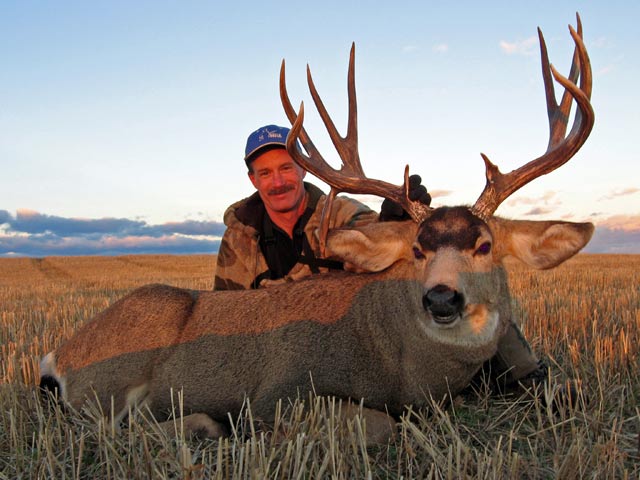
(560, 149)
(350, 177)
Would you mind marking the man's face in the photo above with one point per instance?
(278, 180)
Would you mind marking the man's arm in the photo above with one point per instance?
(232, 271)
(391, 211)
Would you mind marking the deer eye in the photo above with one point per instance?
(483, 249)
(418, 253)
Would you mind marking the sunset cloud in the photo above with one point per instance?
(374, 202)
(521, 47)
(440, 193)
(616, 234)
(548, 198)
(538, 211)
(627, 223)
(544, 204)
(620, 192)
(614, 241)
(34, 234)
(28, 221)
(31, 233)
(47, 245)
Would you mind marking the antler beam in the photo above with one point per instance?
(499, 186)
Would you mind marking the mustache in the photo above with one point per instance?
(280, 190)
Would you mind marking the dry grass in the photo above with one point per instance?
(584, 316)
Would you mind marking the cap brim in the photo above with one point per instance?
(263, 146)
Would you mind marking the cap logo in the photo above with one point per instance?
(271, 134)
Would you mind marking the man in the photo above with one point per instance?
(270, 235)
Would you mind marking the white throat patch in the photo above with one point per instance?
(474, 329)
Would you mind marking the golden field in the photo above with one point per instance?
(583, 317)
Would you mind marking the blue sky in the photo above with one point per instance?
(123, 124)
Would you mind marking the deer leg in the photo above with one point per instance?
(380, 427)
(514, 359)
(199, 425)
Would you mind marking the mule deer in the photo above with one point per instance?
(421, 322)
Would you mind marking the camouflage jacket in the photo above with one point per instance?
(240, 259)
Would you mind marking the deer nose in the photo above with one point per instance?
(444, 303)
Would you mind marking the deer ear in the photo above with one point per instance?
(372, 247)
(542, 244)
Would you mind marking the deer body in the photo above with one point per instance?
(391, 338)
(370, 342)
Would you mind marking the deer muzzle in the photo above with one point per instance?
(443, 303)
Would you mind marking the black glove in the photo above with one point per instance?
(391, 211)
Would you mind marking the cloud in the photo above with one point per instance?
(521, 47)
(607, 69)
(620, 192)
(541, 205)
(606, 240)
(549, 198)
(374, 202)
(409, 48)
(538, 211)
(31, 233)
(600, 42)
(5, 217)
(371, 201)
(616, 234)
(627, 223)
(34, 234)
(441, 48)
(43, 246)
(440, 193)
(192, 227)
(29, 221)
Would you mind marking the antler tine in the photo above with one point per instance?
(350, 177)
(560, 148)
(319, 170)
(558, 114)
(292, 116)
(346, 146)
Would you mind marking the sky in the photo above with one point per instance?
(123, 123)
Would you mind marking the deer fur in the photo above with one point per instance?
(365, 336)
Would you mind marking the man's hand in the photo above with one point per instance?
(391, 211)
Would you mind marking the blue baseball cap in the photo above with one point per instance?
(267, 137)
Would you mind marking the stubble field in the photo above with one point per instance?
(583, 317)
